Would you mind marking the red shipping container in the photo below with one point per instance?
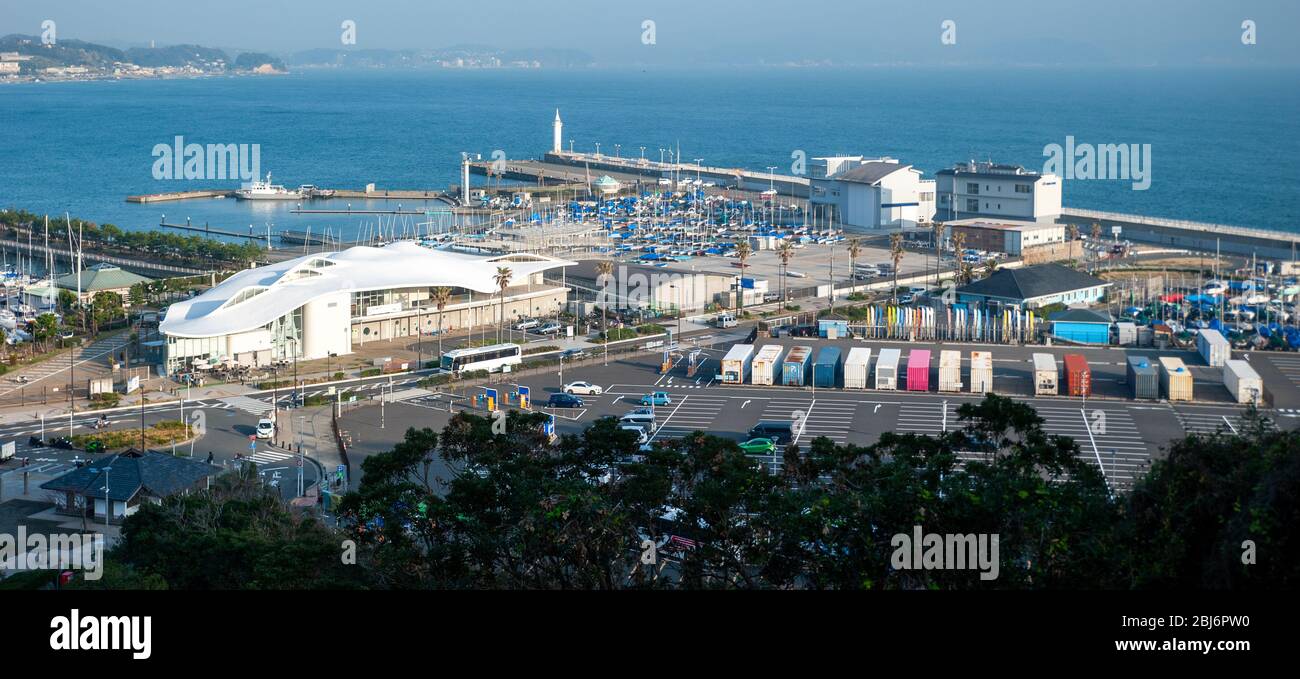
(1078, 376)
(918, 370)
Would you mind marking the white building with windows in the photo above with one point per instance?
(323, 304)
(869, 193)
(987, 189)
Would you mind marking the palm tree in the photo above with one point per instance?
(441, 297)
(502, 279)
(1074, 238)
(604, 270)
(958, 252)
(855, 251)
(896, 256)
(938, 250)
(743, 251)
(1096, 242)
(785, 252)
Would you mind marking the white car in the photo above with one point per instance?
(550, 328)
(642, 437)
(265, 428)
(527, 324)
(586, 388)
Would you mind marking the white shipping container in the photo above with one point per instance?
(981, 372)
(1243, 382)
(949, 370)
(766, 367)
(857, 368)
(887, 369)
(736, 364)
(1046, 375)
(1212, 347)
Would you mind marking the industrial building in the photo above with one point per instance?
(632, 286)
(1010, 237)
(1035, 286)
(870, 193)
(986, 189)
(323, 304)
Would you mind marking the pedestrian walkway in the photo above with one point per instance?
(59, 364)
(264, 457)
(249, 405)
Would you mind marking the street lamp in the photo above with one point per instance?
(108, 507)
(597, 149)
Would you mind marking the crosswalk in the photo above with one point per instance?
(249, 405)
(264, 457)
(58, 365)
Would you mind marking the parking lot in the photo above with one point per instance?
(1119, 435)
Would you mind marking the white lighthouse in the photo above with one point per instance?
(557, 133)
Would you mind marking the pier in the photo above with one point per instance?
(1183, 234)
(179, 195)
(209, 231)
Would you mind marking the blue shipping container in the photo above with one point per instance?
(826, 369)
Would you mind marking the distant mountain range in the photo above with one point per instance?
(458, 56)
(71, 53)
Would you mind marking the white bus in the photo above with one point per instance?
(489, 358)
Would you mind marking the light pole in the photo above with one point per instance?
(301, 489)
(597, 149)
(108, 507)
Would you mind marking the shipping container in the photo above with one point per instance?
(981, 372)
(1046, 375)
(797, 367)
(887, 369)
(1175, 379)
(918, 370)
(766, 367)
(736, 364)
(949, 371)
(1143, 379)
(1126, 334)
(1078, 377)
(1243, 382)
(857, 368)
(1212, 347)
(826, 369)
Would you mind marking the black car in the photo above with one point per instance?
(781, 432)
(564, 401)
(60, 442)
(803, 331)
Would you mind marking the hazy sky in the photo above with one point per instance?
(1076, 32)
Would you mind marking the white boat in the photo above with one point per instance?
(267, 191)
(8, 320)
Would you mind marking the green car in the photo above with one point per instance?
(758, 447)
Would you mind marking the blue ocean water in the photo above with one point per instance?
(1225, 143)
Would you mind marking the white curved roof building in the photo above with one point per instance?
(308, 306)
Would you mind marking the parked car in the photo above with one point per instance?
(640, 416)
(905, 299)
(550, 328)
(658, 398)
(527, 324)
(563, 400)
(779, 432)
(758, 446)
(642, 437)
(582, 388)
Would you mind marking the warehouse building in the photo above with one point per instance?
(634, 286)
(986, 189)
(870, 193)
(323, 304)
(1035, 286)
(1010, 237)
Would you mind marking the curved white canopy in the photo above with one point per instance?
(254, 297)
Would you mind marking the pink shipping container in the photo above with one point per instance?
(918, 370)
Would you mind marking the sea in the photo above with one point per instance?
(1225, 143)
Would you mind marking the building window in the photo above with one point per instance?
(973, 188)
(972, 205)
(1024, 188)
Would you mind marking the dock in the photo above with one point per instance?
(180, 195)
(209, 231)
